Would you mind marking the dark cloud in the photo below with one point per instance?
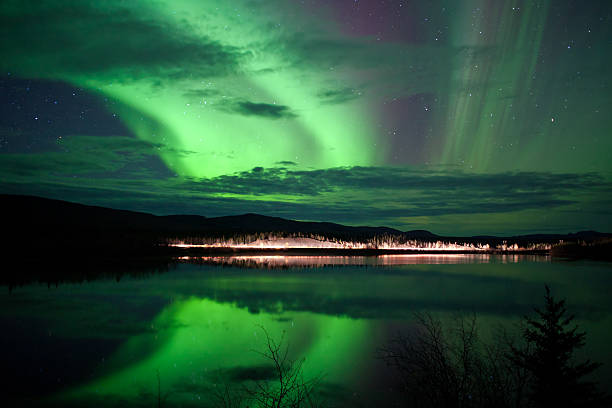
(253, 373)
(314, 182)
(337, 96)
(201, 93)
(346, 194)
(357, 195)
(265, 110)
(89, 156)
(86, 37)
(399, 68)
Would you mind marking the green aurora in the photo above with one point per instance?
(457, 117)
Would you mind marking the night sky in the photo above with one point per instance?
(459, 117)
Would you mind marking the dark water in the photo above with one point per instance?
(199, 325)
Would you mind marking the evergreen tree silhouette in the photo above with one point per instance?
(557, 381)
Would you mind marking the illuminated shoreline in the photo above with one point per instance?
(302, 246)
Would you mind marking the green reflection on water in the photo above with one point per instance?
(200, 341)
(200, 325)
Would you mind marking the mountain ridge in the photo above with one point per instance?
(39, 212)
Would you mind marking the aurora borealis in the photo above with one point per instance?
(471, 117)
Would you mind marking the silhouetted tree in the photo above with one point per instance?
(451, 367)
(226, 396)
(287, 387)
(556, 380)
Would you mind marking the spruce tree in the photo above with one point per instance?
(556, 379)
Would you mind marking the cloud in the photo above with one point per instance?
(201, 93)
(354, 195)
(85, 38)
(382, 195)
(264, 110)
(391, 67)
(87, 156)
(427, 182)
(232, 104)
(338, 96)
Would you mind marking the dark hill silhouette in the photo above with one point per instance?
(257, 223)
(49, 226)
(43, 212)
(37, 212)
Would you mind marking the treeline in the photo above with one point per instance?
(600, 249)
(361, 240)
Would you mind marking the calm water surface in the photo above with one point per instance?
(199, 325)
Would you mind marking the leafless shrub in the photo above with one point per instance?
(452, 367)
(226, 396)
(286, 389)
(289, 388)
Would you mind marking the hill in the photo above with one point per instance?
(45, 226)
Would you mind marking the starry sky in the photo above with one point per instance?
(459, 117)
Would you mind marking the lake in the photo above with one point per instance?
(186, 333)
